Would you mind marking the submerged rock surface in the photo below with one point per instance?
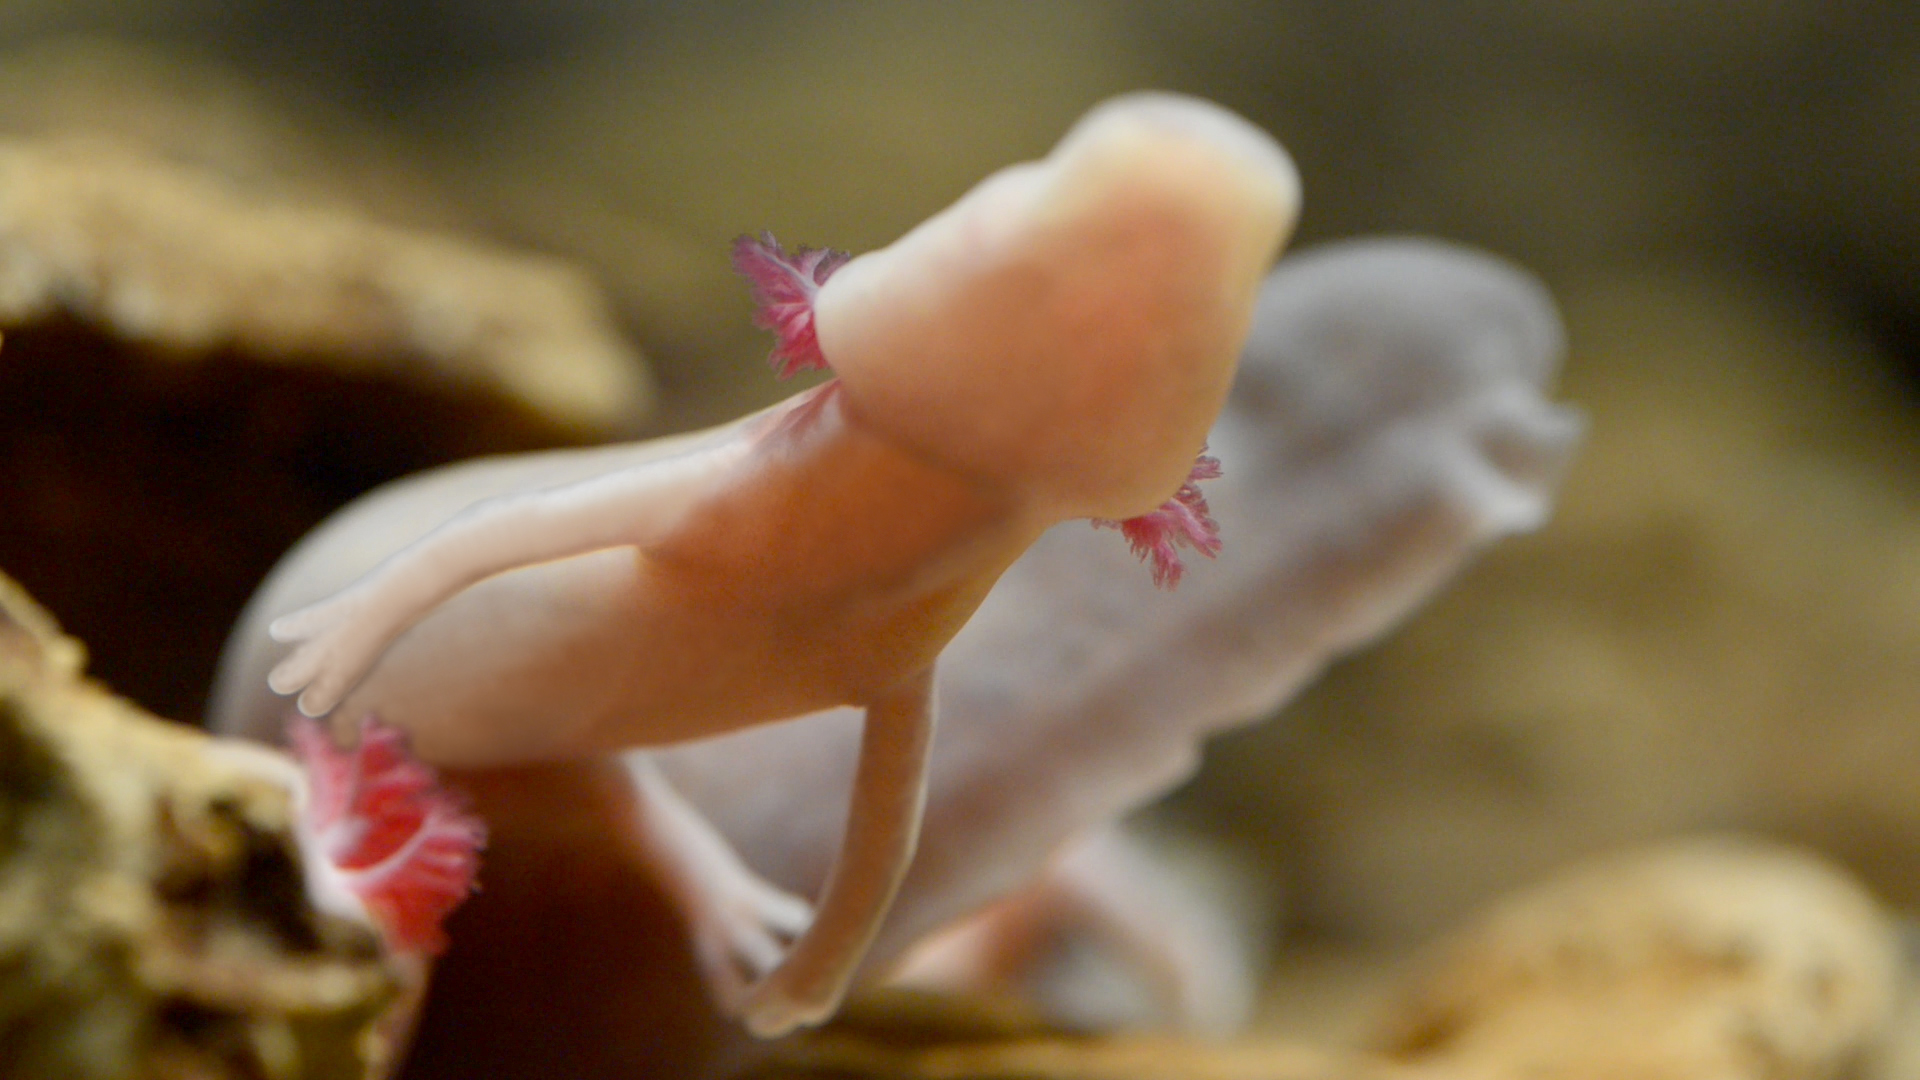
(153, 913)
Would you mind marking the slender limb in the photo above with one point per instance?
(1180, 939)
(342, 636)
(1168, 933)
(739, 923)
(883, 825)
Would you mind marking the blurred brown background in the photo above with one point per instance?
(1722, 625)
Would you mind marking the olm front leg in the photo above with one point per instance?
(342, 637)
(883, 825)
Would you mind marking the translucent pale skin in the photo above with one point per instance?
(1179, 955)
(1052, 346)
(1387, 422)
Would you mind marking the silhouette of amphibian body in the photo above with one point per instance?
(1053, 346)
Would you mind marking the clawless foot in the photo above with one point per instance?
(739, 923)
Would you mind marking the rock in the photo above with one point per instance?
(1716, 957)
(897, 1035)
(154, 253)
(153, 912)
(195, 373)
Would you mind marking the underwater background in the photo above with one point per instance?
(1720, 629)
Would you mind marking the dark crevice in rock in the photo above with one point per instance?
(144, 495)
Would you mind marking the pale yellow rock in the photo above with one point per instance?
(1710, 958)
(178, 259)
(904, 1035)
(153, 914)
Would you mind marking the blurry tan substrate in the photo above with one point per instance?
(905, 1035)
(1713, 957)
(180, 104)
(1140, 1058)
(153, 921)
(173, 257)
